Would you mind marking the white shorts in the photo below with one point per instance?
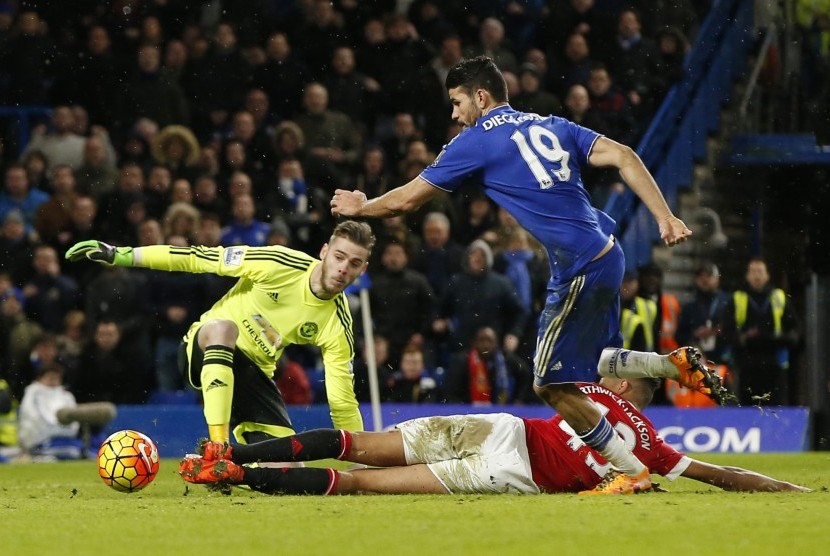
(474, 454)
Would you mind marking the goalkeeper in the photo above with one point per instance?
(282, 297)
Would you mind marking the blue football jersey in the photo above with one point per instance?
(532, 166)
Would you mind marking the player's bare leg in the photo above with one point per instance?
(580, 413)
(412, 479)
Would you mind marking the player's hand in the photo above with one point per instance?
(673, 230)
(347, 203)
(100, 252)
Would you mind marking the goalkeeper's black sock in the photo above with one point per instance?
(306, 446)
(291, 480)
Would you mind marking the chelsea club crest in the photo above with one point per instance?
(309, 330)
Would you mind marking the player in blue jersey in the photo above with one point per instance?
(531, 165)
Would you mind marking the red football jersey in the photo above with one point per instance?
(561, 462)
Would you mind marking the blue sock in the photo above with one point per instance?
(598, 437)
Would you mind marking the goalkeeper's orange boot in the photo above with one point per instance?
(695, 375)
(212, 451)
(620, 483)
(198, 470)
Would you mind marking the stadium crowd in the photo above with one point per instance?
(224, 123)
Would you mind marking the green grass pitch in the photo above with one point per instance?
(64, 508)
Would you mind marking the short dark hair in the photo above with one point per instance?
(356, 232)
(480, 72)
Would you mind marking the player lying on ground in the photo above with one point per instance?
(495, 453)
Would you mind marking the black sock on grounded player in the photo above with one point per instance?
(306, 446)
(291, 480)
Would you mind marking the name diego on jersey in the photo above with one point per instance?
(501, 119)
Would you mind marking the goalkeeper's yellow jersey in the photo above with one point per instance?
(273, 306)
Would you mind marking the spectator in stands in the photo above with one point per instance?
(151, 93)
(373, 177)
(395, 146)
(329, 135)
(282, 76)
(440, 255)
(577, 16)
(119, 296)
(611, 104)
(37, 169)
(71, 341)
(701, 318)
(412, 382)
(575, 68)
(18, 335)
(31, 59)
(637, 316)
(95, 77)
(479, 297)
(157, 191)
(181, 220)
(176, 57)
(176, 148)
(122, 209)
(98, 173)
(361, 369)
(488, 375)
(760, 325)
(578, 110)
(404, 54)
(664, 323)
(491, 42)
(16, 247)
(235, 158)
(319, 34)
(401, 300)
(479, 218)
(673, 47)
(351, 92)
(533, 98)
(181, 191)
(82, 217)
(53, 216)
(244, 228)
(110, 370)
(206, 197)
(258, 105)
(430, 22)
(434, 105)
(255, 142)
(634, 64)
(17, 194)
(50, 295)
(39, 430)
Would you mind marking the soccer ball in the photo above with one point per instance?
(128, 461)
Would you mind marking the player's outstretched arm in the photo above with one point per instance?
(100, 252)
(403, 199)
(610, 153)
(737, 479)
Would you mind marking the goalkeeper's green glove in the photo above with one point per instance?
(100, 252)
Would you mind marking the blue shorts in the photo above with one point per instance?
(581, 318)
